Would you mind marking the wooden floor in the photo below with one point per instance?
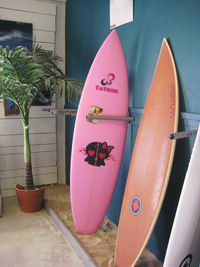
(100, 246)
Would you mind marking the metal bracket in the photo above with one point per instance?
(72, 112)
(91, 117)
(1, 206)
(61, 111)
(184, 134)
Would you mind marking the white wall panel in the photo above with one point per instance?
(36, 125)
(42, 14)
(35, 139)
(39, 21)
(30, 6)
(8, 192)
(9, 150)
(12, 173)
(16, 161)
(44, 36)
(39, 179)
(35, 111)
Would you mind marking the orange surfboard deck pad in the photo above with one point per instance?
(151, 163)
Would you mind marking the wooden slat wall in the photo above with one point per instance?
(42, 124)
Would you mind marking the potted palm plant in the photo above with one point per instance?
(23, 76)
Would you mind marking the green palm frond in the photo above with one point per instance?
(74, 89)
(55, 79)
(73, 85)
(19, 77)
(48, 59)
(24, 74)
(17, 63)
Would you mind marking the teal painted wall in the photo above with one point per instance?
(87, 25)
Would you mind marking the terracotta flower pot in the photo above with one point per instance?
(30, 200)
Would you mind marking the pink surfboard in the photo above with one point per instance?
(97, 146)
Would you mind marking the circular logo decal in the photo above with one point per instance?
(136, 205)
(108, 81)
(157, 103)
(186, 262)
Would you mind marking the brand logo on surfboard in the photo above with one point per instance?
(136, 205)
(97, 153)
(187, 261)
(106, 82)
(172, 102)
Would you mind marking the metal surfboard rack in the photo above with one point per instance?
(72, 112)
(90, 117)
(184, 134)
(61, 111)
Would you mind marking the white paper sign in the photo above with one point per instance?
(121, 12)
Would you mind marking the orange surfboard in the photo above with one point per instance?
(151, 163)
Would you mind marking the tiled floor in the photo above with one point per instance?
(32, 240)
